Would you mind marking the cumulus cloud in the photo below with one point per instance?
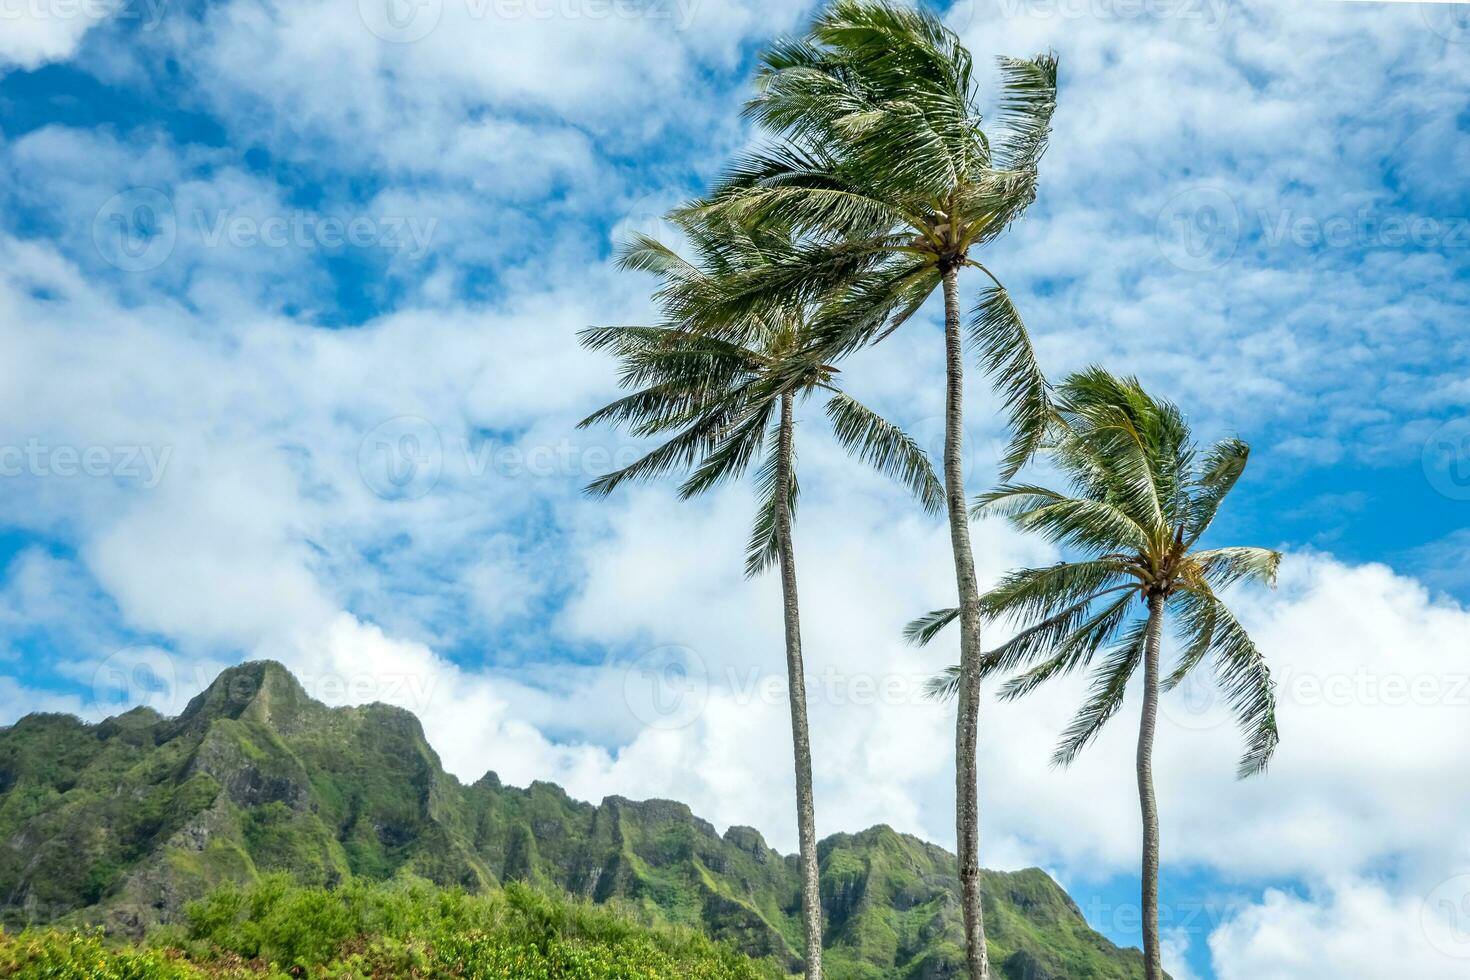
(36, 32)
(1227, 212)
(1349, 929)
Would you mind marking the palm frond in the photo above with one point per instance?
(1070, 624)
(1078, 522)
(736, 447)
(1028, 101)
(1240, 671)
(1120, 445)
(1013, 498)
(885, 446)
(764, 546)
(875, 304)
(645, 254)
(943, 686)
(679, 451)
(1005, 349)
(1222, 467)
(1029, 595)
(674, 360)
(1075, 650)
(1223, 567)
(1109, 685)
(1054, 608)
(1194, 621)
(920, 631)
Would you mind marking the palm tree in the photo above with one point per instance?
(1140, 499)
(729, 393)
(881, 167)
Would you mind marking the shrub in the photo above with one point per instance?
(404, 928)
(55, 954)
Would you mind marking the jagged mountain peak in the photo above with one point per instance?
(124, 822)
(262, 685)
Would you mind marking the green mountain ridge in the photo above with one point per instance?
(124, 822)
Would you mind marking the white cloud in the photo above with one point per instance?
(34, 32)
(433, 91)
(1352, 929)
(1242, 131)
(1174, 947)
(17, 700)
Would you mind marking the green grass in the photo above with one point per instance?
(404, 928)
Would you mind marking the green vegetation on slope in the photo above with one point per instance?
(383, 930)
(123, 824)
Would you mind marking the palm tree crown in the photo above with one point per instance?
(718, 385)
(1140, 499)
(883, 171)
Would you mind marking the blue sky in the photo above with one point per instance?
(289, 293)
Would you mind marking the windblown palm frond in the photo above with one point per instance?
(1140, 496)
(887, 448)
(764, 546)
(920, 631)
(1212, 631)
(1106, 695)
(1005, 350)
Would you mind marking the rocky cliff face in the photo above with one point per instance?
(126, 821)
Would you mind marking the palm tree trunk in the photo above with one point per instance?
(967, 803)
(806, 821)
(1153, 967)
